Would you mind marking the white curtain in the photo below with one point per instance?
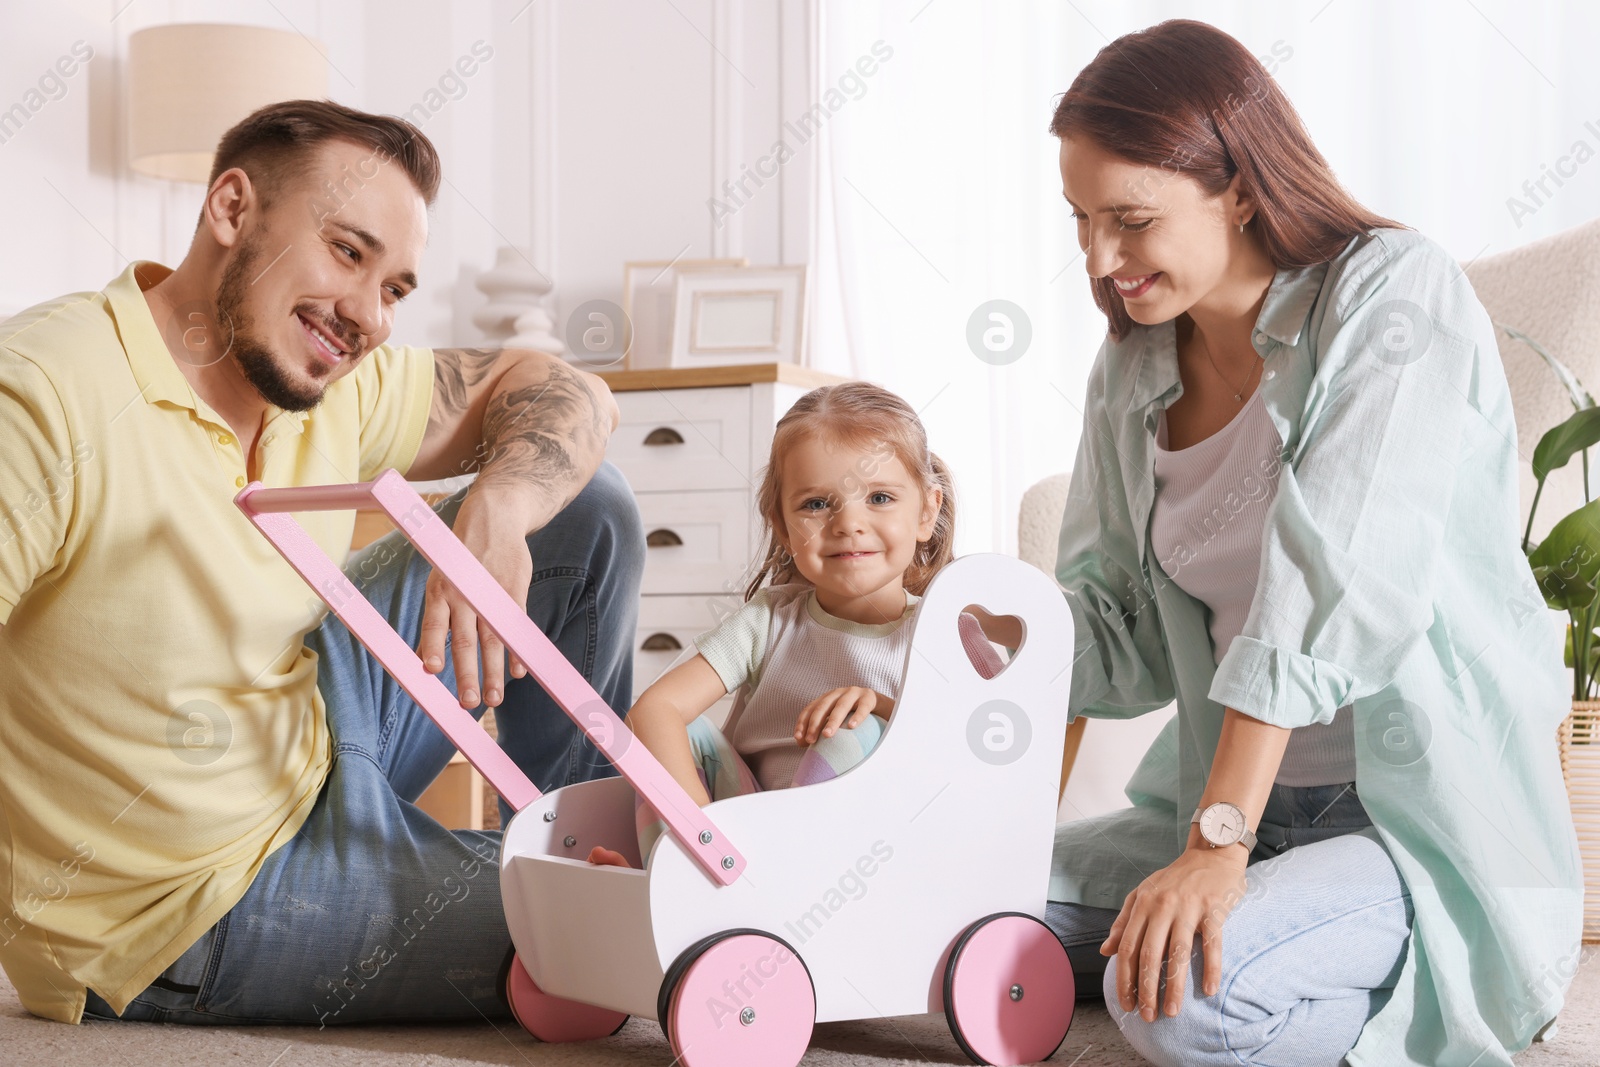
(937, 188)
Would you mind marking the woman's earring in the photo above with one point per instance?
(1241, 227)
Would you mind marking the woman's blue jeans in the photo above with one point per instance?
(374, 911)
(1310, 953)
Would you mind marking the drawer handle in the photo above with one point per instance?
(662, 539)
(663, 435)
(661, 643)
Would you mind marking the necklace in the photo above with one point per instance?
(1236, 392)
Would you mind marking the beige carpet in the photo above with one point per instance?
(921, 1039)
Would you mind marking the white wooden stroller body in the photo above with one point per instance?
(913, 882)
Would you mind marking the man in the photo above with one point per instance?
(207, 793)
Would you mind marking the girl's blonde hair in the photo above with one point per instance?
(861, 415)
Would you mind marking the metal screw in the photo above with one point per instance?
(549, 816)
(747, 1016)
(1016, 992)
(571, 841)
(727, 863)
(705, 837)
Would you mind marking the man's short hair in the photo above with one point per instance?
(274, 144)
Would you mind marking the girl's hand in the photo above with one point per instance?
(848, 706)
(1160, 918)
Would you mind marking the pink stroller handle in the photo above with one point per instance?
(268, 508)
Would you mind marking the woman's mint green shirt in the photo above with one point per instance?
(1391, 579)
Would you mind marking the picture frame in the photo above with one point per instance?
(722, 317)
(647, 300)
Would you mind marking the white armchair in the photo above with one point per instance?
(1098, 760)
(1550, 291)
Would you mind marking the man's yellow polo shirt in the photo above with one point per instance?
(161, 732)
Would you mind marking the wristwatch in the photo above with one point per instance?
(1222, 824)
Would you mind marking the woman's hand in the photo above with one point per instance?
(1194, 894)
(848, 706)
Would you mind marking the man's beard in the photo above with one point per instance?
(256, 361)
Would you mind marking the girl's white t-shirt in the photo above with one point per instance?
(781, 651)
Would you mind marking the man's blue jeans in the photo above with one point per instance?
(375, 911)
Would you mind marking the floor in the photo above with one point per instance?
(923, 1039)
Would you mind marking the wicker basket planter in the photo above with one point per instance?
(1579, 738)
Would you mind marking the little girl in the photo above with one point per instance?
(860, 516)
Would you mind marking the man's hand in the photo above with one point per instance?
(848, 706)
(1193, 894)
(497, 536)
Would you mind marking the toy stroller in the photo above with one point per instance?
(911, 883)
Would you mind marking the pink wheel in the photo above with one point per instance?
(1008, 991)
(551, 1018)
(741, 999)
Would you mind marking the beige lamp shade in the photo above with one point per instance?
(188, 83)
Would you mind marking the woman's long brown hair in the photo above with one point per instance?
(1188, 98)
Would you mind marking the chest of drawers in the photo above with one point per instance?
(693, 444)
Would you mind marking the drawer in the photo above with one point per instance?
(668, 626)
(695, 542)
(683, 439)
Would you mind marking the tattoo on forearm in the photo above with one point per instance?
(534, 431)
(455, 370)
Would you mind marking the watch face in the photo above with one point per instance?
(1222, 824)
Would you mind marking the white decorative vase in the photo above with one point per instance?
(515, 314)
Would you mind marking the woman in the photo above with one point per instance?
(1294, 511)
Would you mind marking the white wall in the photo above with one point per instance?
(654, 106)
(596, 133)
(71, 214)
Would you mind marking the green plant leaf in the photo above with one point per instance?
(1594, 650)
(1561, 443)
(1564, 594)
(1567, 562)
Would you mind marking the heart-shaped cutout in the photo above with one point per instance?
(986, 638)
